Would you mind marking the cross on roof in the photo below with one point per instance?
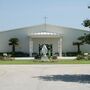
(45, 19)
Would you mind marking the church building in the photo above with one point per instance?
(58, 40)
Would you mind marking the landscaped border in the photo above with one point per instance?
(45, 62)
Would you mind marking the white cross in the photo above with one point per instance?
(45, 19)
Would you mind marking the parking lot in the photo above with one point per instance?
(45, 77)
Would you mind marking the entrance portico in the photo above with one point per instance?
(49, 38)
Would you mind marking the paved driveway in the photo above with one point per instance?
(44, 77)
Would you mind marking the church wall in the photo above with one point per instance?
(69, 36)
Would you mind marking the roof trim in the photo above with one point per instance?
(45, 34)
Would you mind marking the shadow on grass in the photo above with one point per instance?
(67, 78)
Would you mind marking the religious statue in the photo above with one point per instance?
(44, 52)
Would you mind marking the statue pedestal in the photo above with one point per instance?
(44, 58)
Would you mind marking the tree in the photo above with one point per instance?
(86, 23)
(13, 42)
(82, 39)
(85, 39)
(78, 44)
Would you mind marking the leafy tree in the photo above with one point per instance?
(85, 39)
(86, 23)
(82, 39)
(13, 42)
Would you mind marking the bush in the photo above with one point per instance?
(54, 57)
(20, 54)
(85, 57)
(34, 54)
(88, 57)
(37, 57)
(57, 54)
(70, 54)
(16, 54)
(1, 58)
(79, 57)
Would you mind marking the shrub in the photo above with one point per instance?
(20, 54)
(34, 54)
(1, 58)
(57, 54)
(16, 54)
(85, 57)
(71, 53)
(79, 57)
(37, 57)
(54, 57)
(88, 57)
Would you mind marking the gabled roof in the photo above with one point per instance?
(29, 27)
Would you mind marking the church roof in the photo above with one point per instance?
(42, 25)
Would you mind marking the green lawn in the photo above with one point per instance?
(45, 62)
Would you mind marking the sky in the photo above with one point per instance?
(24, 13)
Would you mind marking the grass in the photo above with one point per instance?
(45, 62)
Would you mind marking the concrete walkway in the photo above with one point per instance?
(45, 77)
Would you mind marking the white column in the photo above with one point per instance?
(30, 46)
(60, 47)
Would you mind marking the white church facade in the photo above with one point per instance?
(58, 39)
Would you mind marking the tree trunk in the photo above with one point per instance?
(79, 49)
(13, 48)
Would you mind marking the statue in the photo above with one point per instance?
(44, 52)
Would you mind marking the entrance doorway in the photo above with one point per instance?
(49, 47)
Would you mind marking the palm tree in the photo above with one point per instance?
(78, 44)
(13, 42)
